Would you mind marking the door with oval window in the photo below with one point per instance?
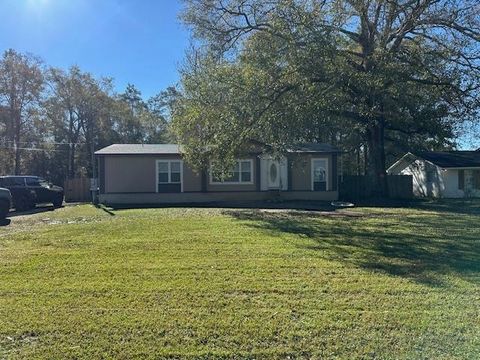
(273, 170)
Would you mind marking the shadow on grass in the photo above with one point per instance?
(422, 248)
(105, 209)
(458, 206)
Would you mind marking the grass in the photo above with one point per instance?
(242, 284)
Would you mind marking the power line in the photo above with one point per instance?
(30, 149)
(43, 142)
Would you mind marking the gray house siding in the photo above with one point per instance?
(192, 180)
(131, 179)
(301, 171)
(129, 174)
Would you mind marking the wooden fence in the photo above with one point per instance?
(77, 190)
(353, 188)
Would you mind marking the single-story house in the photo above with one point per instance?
(157, 174)
(448, 174)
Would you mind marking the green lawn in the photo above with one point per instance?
(242, 284)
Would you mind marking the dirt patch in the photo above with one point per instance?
(11, 343)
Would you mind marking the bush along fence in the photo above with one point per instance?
(353, 187)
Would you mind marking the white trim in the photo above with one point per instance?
(327, 173)
(240, 182)
(169, 161)
(461, 168)
(400, 160)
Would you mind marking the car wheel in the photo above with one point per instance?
(58, 201)
(23, 204)
(4, 209)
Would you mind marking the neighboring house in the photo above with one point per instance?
(450, 174)
(157, 174)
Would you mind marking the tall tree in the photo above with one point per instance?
(282, 71)
(129, 110)
(63, 112)
(133, 97)
(143, 121)
(160, 108)
(21, 86)
(78, 108)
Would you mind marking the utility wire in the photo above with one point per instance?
(43, 142)
(30, 149)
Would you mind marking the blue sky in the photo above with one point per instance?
(136, 41)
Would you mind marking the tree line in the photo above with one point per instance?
(52, 120)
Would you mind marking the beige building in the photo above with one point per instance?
(157, 174)
(450, 174)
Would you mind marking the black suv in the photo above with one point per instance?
(5, 202)
(28, 191)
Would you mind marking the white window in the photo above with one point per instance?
(169, 175)
(241, 173)
(319, 174)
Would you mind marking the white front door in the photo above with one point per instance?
(273, 174)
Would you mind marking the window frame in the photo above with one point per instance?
(239, 182)
(327, 174)
(169, 161)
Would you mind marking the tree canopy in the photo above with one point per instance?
(52, 120)
(383, 76)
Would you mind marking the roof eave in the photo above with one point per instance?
(459, 167)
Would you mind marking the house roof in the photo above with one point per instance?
(443, 159)
(452, 159)
(314, 148)
(158, 149)
(140, 149)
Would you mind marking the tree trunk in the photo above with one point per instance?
(16, 146)
(16, 158)
(365, 159)
(71, 170)
(71, 150)
(89, 149)
(376, 165)
(359, 165)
